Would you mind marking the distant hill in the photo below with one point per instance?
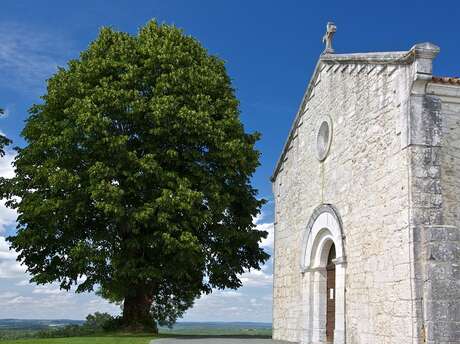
(219, 324)
(220, 328)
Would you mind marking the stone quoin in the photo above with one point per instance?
(367, 194)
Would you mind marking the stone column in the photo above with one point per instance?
(339, 331)
(319, 305)
(307, 306)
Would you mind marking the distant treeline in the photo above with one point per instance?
(95, 323)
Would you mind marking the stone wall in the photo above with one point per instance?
(438, 261)
(441, 289)
(366, 177)
(434, 209)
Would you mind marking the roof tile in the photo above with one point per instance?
(446, 80)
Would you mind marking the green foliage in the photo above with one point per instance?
(66, 331)
(99, 322)
(10, 334)
(136, 175)
(96, 323)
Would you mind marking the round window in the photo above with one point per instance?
(323, 139)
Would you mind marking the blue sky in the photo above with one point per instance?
(270, 48)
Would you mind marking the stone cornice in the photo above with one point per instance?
(398, 57)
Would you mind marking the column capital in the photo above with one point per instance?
(318, 268)
(339, 261)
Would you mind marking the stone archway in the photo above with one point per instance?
(324, 231)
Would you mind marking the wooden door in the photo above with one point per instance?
(330, 284)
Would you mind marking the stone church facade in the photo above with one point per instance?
(367, 192)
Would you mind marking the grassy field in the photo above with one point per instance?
(82, 340)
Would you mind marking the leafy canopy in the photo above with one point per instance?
(136, 174)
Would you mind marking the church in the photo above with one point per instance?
(367, 204)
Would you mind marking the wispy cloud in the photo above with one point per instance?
(269, 240)
(23, 283)
(257, 278)
(230, 294)
(48, 290)
(7, 217)
(9, 267)
(6, 167)
(8, 295)
(52, 305)
(268, 226)
(29, 56)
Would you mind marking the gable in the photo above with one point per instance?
(370, 64)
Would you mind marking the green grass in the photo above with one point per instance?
(83, 340)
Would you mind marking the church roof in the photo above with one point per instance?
(330, 60)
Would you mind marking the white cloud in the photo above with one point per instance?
(103, 306)
(19, 300)
(7, 216)
(257, 278)
(5, 252)
(255, 302)
(55, 306)
(6, 167)
(29, 56)
(22, 283)
(48, 290)
(269, 240)
(9, 267)
(48, 301)
(230, 294)
(269, 227)
(8, 295)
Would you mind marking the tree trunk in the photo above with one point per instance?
(136, 311)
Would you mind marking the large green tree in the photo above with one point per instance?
(135, 177)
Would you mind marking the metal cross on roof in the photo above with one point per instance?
(327, 38)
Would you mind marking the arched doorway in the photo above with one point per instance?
(323, 273)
